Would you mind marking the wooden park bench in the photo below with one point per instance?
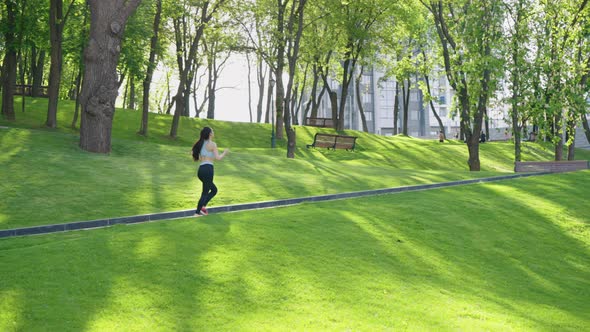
(333, 141)
(27, 90)
(319, 122)
(551, 166)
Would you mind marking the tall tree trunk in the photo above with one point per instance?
(22, 69)
(516, 127)
(212, 89)
(292, 56)
(131, 104)
(79, 78)
(280, 64)
(586, 127)
(195, 101)
(125, 93)
(347, 72)
(473, 148)
(56, 24)
(279, 100)
(334, 105)
(406, 89)
(151, 67)
(211, 83)
(312, 96)
(571, 137)
(23, 55)
(317, 102)
(9, 63)
(441, 127)
(99, 90)
(333, 97)
(37, 69)
(77, 106)
(187, 93)
(293, 103)
(260, 79)
(249, 88)
(269, 107)
(396, 109)
(360, 101)
(557, 122)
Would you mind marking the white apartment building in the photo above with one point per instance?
(378, 99)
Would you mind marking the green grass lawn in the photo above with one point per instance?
(505, 256)
(47, 179)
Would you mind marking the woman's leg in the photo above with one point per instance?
(205, 174)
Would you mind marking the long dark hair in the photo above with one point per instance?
(205, 133)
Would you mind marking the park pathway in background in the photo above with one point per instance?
(100, 223)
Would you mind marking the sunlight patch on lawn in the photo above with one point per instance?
(10, 307)
(12, 143)
(131, 304)
(574, 226)
(149, 247)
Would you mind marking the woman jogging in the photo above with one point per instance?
(205, 151)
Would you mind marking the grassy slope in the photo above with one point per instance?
(446, 259)
(47, 179)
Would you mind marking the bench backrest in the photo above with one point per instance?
(345, 142)
(324, 140)
(550, 166)
(319, 122)
(334, 141)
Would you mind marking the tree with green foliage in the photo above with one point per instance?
(187, 52)
(57, 21)
(150, 68)
(135, 54)
(426, 68)
(220, 40)
(35, 43)
(108, 19)
(283, 21)
(468, 32)
(288, 47)
(76, 32)
(9, 27)
(519, 68)
(560, 66)
(255, 19)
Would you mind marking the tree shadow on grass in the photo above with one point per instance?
(371, 263)
(518, 255)
(508, 266)
(146, 277)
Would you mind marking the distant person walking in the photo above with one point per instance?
(205, 151)
(482, 137)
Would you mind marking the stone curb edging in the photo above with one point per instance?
(101, 223)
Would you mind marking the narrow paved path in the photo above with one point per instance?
(100, 223)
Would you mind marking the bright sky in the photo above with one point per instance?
(231, 102)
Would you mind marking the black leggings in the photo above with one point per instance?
(205, 174)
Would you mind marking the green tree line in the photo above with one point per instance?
(530, 55)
